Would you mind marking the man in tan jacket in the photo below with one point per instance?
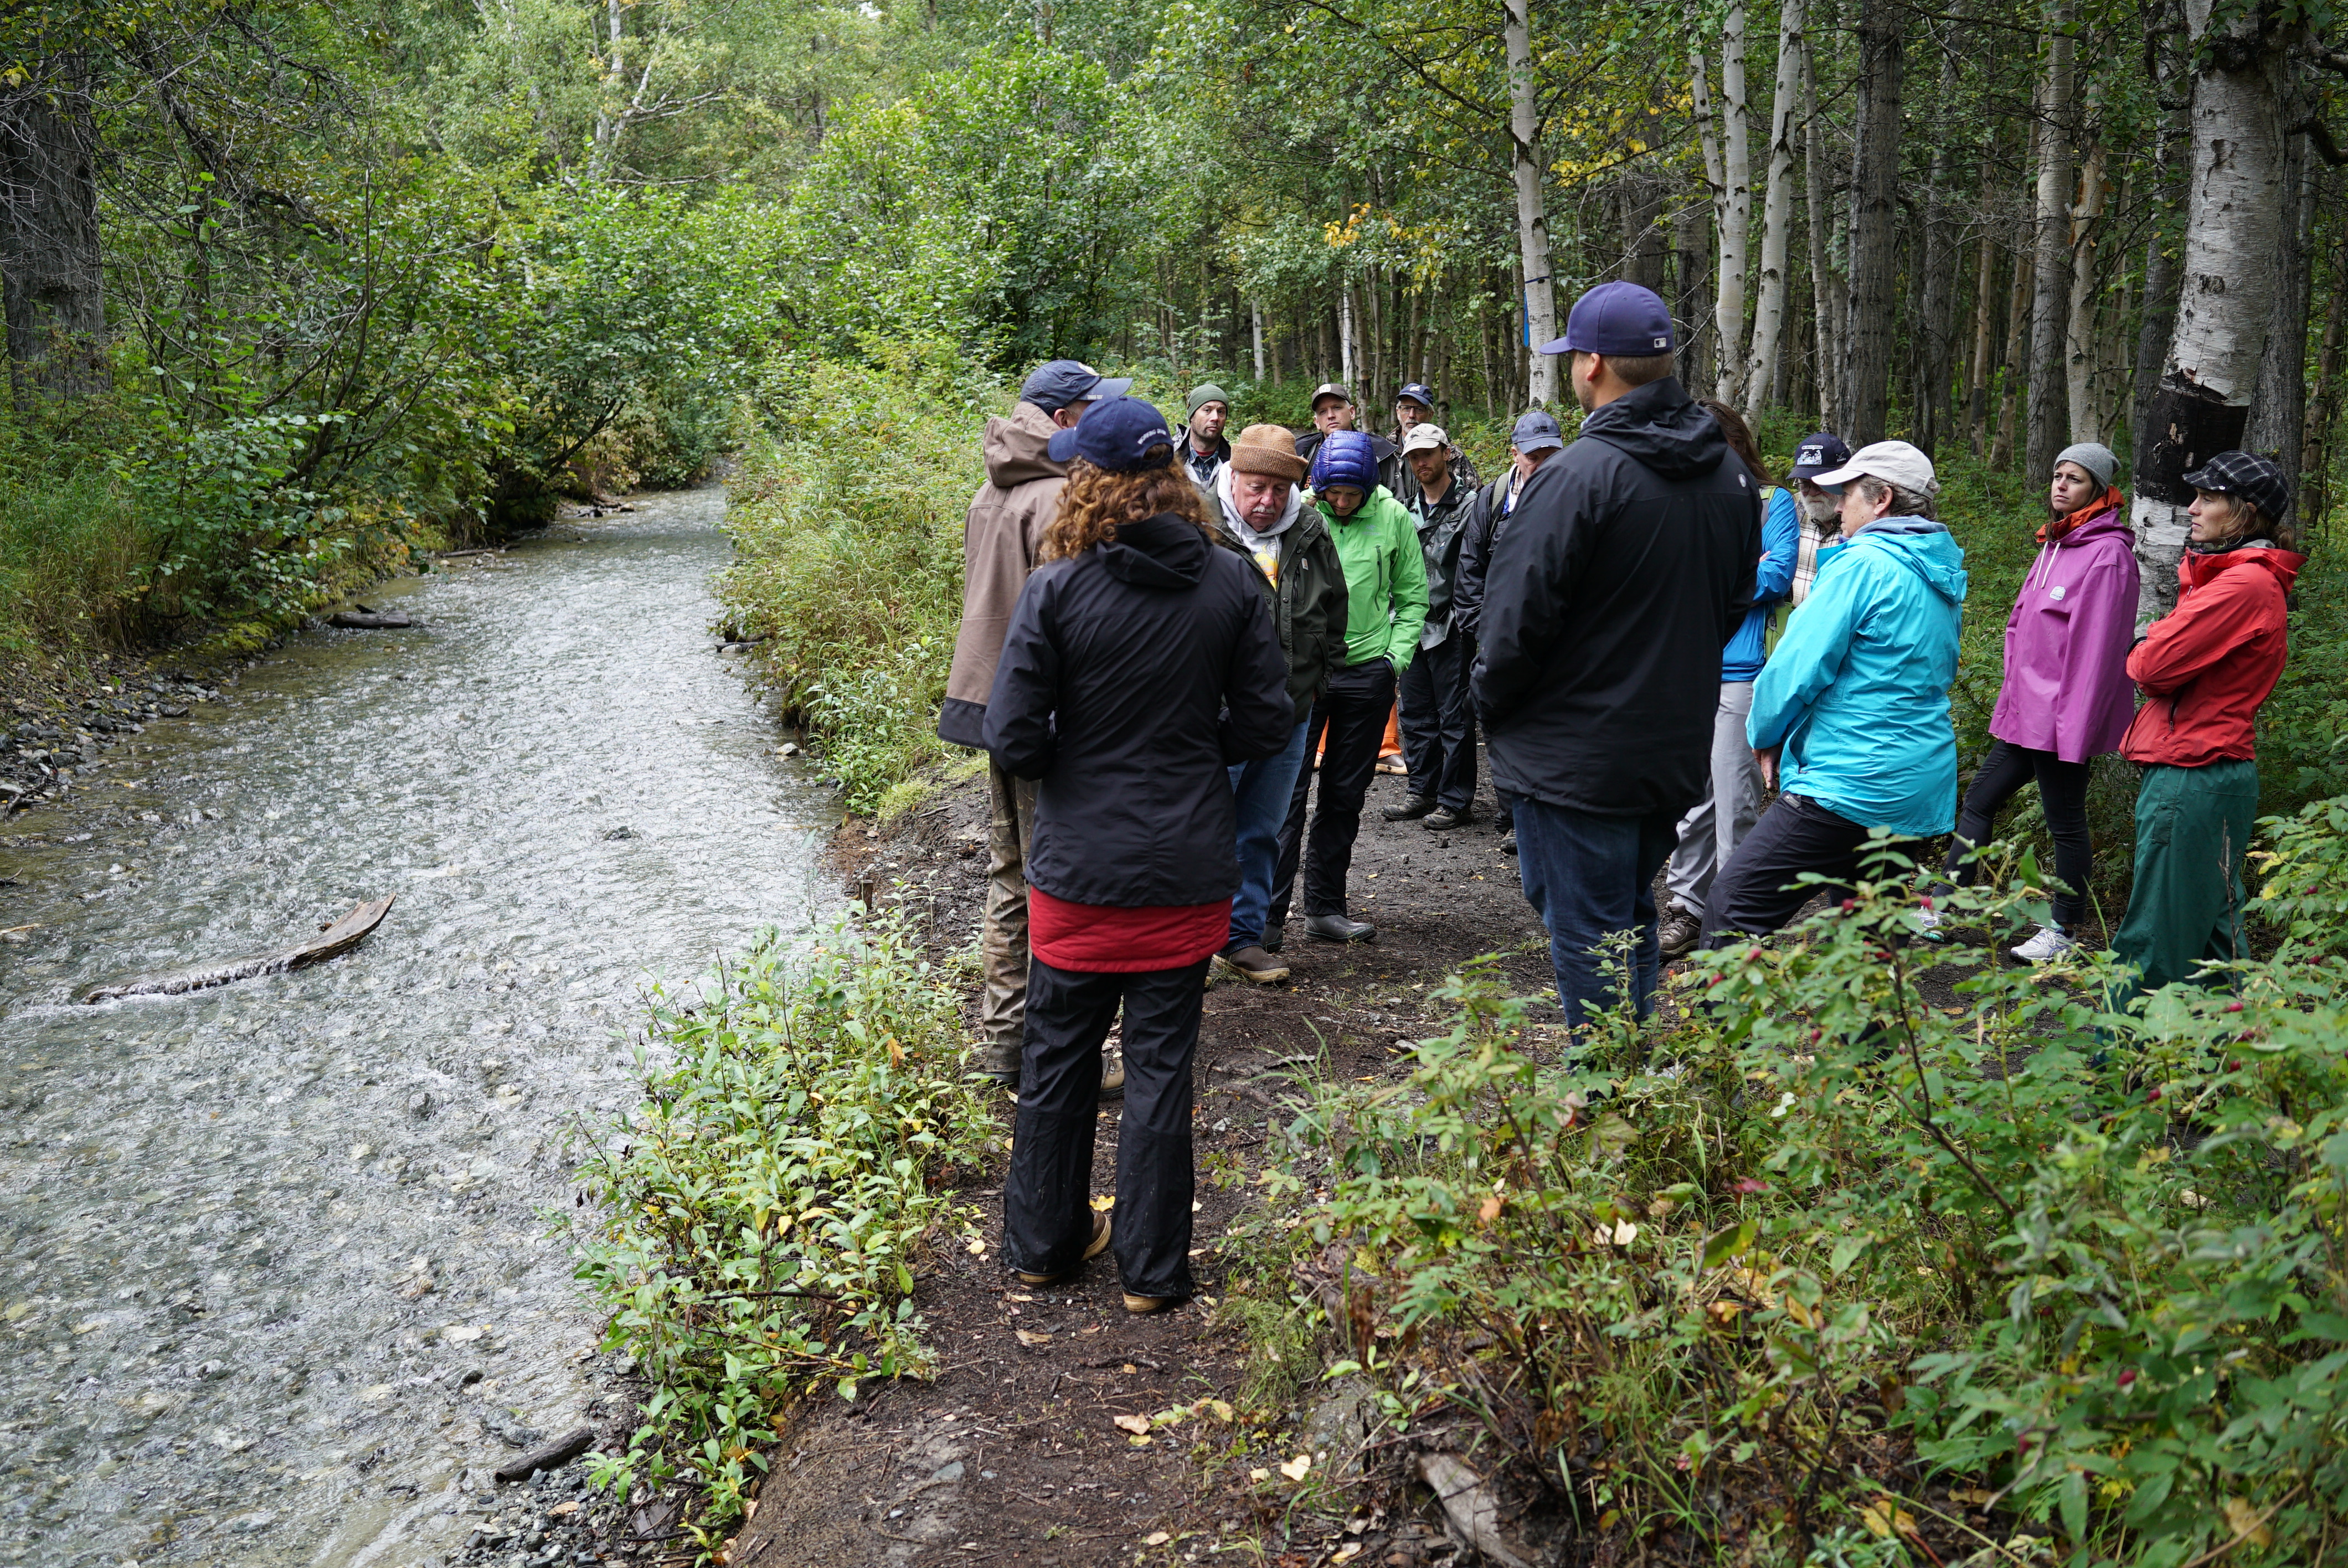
(1000, 541)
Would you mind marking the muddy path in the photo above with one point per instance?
(277, 1286)
(1011, 1455)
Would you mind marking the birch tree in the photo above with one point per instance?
(1728, 166)
(2043, 426)
(2227, 279)
(1761, 389)
(1532, 211)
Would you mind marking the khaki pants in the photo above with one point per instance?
(1003, 947)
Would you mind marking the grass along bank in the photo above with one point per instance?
(757, 1219)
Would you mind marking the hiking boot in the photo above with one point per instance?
(1339, 929)
(1679, 933)
(1273, 936)
(1093, 1248)
(1444, 817)
(1410, 810)
(1253, 965)
(998, 1062)
(2046, 944)
(1509, 842)
(1112, 1075)
(1141, 1305)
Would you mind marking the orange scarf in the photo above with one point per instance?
(2054, 529)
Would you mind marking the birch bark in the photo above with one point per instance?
(2226, 286)
(2049, 317)
(1532, 213)
(1777, 207)
(1733, 210)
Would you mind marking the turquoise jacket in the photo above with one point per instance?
(1386, 578)
(1856, 691)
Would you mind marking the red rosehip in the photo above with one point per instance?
(2127, 1377)
(2234, 1006)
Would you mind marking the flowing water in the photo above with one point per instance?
(220, 1212)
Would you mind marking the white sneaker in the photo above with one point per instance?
(2045, 945)
(1930, 920)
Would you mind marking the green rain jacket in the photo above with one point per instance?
(1386, 578)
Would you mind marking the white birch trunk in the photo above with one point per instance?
(1255, 314)
(1347, 361)
(1532, 211)
(2049, 325)
(1761, 388)
(2233, 209)
(1733, 208)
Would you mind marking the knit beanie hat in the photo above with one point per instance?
(1346, 458)
(2094, 457)
(1267, 449)
(1204, 394)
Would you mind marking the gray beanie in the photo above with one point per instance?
(2094, 457)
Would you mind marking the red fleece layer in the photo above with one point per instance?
(1094, 938)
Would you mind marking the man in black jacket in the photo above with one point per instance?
(1139, 664)
(1625, 568)
(1534, 442)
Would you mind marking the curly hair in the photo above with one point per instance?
(1096, 500)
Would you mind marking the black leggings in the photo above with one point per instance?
(2062, 790)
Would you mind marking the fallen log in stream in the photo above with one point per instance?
(331, 942)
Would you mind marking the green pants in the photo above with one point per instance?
(2193, 829)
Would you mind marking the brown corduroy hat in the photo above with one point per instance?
(1268, 449)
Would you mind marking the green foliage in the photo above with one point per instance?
(758, 1216)
(847, 522)
(1832, 1236)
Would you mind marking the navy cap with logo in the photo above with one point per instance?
(1536, 432)
(2258, 480)
(1416, 392)
(1053, 386)
(1122, 435)
(1618, 318)
(1818, 454)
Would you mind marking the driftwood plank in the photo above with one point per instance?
(331, 943)
(553, 1456)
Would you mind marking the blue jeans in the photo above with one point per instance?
(1261, 788)
(1589, 876)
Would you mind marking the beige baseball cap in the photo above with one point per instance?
(1424, 437)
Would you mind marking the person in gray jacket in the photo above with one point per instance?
(1438, 711)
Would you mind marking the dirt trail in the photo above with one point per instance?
(1011, 1455)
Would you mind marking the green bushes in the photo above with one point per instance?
(846, 519)
(1851, 1246)
(757, 1217)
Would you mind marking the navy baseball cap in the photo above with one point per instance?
(1417, 392)
(1053, 386)
(1119, 434)
(1536, 432)
(1817, 455)
(1618, 318)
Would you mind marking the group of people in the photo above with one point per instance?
(1163, 630)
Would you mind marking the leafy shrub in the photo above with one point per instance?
(758, 1216)
(847, 521)
(1833, 1253)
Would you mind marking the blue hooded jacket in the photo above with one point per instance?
(1857, 689)
(1781, 539)
(1345, 458)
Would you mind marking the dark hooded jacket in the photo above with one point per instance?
(1132, 676)
(1625, 569)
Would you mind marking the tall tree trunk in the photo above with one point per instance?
(50, 265)
(2233, 202)
(1874, 221)
(1732, 207)
(1985, 316)
(1255, 324)
(1937, 308)
(2050, 312)
(1762, 387)
(1692, 245)
(1826, 285)
(2081, 348)
(2324, 414)
(1532, 213)
(2278, 422)
(2017, 344)
(2172, 134)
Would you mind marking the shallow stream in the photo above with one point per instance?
(274, 1281)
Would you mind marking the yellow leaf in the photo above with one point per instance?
(1347, 1553)
(1259, 1474)
(977, 1245)
(1223, 1411)
(1029, 1336)
(2246, 1522)
(1137, 1425)
(1105, 1202)
(1156, 1538)
(1490, 1208)
(1298, 1468)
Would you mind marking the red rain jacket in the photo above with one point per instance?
(2208, 664)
